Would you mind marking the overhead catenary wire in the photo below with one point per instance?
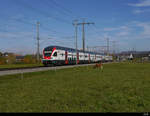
(59, 8)
(33, 9)
(31, 24)
(41, 12)
(24, 21)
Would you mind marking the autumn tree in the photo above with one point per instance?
(1, 54)
(2, 60)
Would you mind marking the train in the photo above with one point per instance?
(57, 55)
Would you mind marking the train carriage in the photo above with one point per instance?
(57, 55)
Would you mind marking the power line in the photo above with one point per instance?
(57, 4)
(28, 23)
(55, 41)
(65, 9)
(25, 4)
(42, 26)
(33, 9)
(97, 32)
(25, 22)
(59, 7)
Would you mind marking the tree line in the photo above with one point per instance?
(10, 58)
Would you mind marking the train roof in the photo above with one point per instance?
(69, 49)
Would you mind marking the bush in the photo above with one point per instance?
(29, 59)
(2, 60)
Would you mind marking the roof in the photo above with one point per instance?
(68, 49)
(19, 57)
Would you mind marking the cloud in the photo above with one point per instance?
(129, 34)
(140, 11)
(110, 29)
(16, 35)
(123, 33)
(146, 29)
(17, 42)
(116, 28)
(120, 31)
(142, 3)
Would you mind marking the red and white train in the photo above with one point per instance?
(57, 55)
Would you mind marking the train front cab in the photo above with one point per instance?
(48, 54)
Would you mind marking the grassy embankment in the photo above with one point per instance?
(120, 87)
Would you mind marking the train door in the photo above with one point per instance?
(77, 57)
(66, 57)
(89, 58)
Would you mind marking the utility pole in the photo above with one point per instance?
(107, 46)
(87, 48)
(38, 45)
(83, 36)
(76, 36)
(114, 46)
(83, 32)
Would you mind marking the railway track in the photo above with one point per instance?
(7, 69)
(36, 69)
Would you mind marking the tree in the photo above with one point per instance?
(2, 59)
(1, 54)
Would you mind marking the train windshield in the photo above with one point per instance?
(48, 52)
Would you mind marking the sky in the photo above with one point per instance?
(124, 21)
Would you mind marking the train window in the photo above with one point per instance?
(47, 54)
(55, 54)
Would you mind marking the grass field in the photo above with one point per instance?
(120, 87)
(11, 66)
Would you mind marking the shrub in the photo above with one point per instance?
(2, 60)
(29, 59)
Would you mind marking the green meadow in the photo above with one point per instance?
(119, 87)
